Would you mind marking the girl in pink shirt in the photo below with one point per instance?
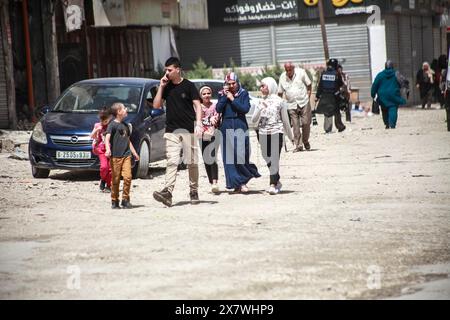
(98, 148)
(210, 121)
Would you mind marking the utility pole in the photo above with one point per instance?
(51, 49)
(26, 32)
(324, 31)
(5, 28)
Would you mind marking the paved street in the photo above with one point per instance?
(365, 214)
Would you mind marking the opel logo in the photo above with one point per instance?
(74, 139)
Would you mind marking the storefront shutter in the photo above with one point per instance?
(347, 42)
(256, 48)
(437, 42)
(215, 46)
(406, 54)
(427, 40)
(392, 40)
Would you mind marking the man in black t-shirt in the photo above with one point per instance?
(183, 120)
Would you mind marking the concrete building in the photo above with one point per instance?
(362, 34)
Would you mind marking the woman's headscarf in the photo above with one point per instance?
(271, 85)
(202, 89)
(426, 64)
(232, 76)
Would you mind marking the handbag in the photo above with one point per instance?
(375, 107)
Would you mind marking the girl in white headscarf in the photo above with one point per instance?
(272, 120)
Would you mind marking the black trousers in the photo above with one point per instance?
(210, 158)
(447, 108)
(385, 115)
(271, 146)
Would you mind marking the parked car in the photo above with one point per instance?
(60, 140)
(216, 86)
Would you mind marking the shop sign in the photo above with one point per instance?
(308, 9)
(252, 11)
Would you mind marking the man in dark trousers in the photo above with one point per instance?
(447, 101)
(328, 96)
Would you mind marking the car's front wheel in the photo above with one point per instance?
(39, 173)
(144, 158)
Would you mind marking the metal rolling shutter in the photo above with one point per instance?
(298, 44)
(215, 46)
(405, 65)
(256, 47)
(348, 43)
(427, 40)
(417, 50)
(4, 115)
(392, 39)
(437, 50)
(351, 42)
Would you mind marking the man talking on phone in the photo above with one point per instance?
(183, 123)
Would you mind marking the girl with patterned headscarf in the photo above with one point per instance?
(272, 120)
(233, 104)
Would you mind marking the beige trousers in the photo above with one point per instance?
(175, 143)
(301, 118)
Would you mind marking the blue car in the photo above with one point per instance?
(61, 139)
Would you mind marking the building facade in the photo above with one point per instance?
(361, 34)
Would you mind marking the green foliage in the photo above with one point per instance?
(274, 72)
(247, 80)
(200, 71)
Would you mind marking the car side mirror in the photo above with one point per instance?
(40, 112)
(157, 112)
(46, 109)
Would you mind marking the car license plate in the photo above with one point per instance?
(73, 154)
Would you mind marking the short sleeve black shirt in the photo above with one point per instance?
(180, 110)
(120, 139)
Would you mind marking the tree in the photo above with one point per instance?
(200, 70)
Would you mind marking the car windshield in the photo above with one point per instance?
(216, 86)
(90, 98)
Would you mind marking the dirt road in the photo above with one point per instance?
(363, 215)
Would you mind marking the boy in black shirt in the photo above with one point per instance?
(183, 119)
(119, 148)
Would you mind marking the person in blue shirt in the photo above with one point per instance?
(233, 104)
(387, 89)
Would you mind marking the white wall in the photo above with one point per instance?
(378, 53)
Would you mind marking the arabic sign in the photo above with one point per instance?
(251, 11)
(308, 9)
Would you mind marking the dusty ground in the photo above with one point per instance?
(366, 214)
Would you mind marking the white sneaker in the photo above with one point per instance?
(244, 189)
(272, 190)
(278, 187)
(214, 188)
